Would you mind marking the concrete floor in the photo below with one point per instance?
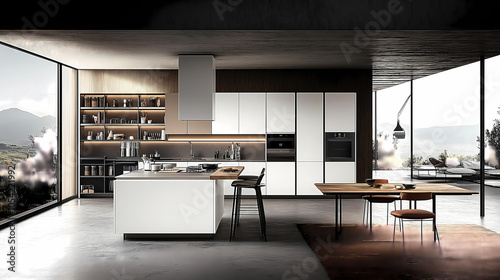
(76, 241)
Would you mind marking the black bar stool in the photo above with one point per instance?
(235, 214)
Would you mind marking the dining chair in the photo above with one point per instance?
(370, 199)
(414, 213)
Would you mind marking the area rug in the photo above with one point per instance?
(464, 252)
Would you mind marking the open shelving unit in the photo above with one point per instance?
(119, 113)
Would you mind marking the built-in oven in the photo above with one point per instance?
(281, 147)
(340, 146)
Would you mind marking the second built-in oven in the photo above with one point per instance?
(340, 146)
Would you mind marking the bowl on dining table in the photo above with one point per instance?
(409, 186)
(376, 183)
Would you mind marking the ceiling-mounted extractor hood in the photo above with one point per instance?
(196, 87)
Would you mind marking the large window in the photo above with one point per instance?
(28, 132)
(492, 120)
(446, 116)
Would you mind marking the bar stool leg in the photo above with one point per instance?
(262, 216)
(233, 212)
(238, 207)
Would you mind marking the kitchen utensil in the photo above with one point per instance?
(209, 165)
(156, 155)
(167, 166)
(147, 163)
(118, 136)
(155, 167)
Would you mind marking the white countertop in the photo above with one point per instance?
(152, 175)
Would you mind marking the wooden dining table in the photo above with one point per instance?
(362, 189)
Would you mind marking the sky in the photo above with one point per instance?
(449, 98)
(27, 82)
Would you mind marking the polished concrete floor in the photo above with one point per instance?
(76, 241)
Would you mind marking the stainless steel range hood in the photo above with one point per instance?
(196, 87)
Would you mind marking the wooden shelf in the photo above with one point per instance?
(151, 108)
(120, 108)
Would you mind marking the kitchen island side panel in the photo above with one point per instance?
(166, 206)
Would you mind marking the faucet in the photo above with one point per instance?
(191, 154)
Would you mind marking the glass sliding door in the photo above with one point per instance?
(446, 121)
(392, 154)
(29, 132)
(492, 121)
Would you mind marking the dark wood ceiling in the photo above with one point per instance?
(395, 56)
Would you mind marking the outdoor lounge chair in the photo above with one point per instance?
(463, 169)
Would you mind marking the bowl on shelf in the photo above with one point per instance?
(376, 183)
(409, 186)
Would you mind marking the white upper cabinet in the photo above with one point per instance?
(252, 113)
(310, 131)
(280, 112)
(340, 112)
(226, 113)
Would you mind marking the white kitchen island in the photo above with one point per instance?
(149, 203)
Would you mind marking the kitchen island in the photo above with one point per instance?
(177, 204)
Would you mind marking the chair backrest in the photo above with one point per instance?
(416, 196)
(436, 162)
(261, 176)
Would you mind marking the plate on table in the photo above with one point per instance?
(409, 186)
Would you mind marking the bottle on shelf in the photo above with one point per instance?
(238, 151)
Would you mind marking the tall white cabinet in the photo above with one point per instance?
(281, 112)
(280, 119)
(310, 134)
(340, 116)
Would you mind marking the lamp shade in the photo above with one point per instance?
(399, 132)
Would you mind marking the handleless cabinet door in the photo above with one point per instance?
(226, 113)
(340, 112)
(340, 172)
(280, 112)
(280, 178)
(309, 173)
(310, 126)
(252, 113)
